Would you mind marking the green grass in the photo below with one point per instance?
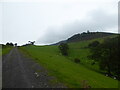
(0, 51)
(80, 50)
(66, 71)
(5, 50)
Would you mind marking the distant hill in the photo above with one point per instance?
(85, 36)
(64, 41)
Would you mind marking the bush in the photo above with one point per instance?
(94, 44)
(77, 60)
(107, 54)
(64, 48)
(92, 63)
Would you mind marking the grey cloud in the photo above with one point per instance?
(98, 20)
(104, 19)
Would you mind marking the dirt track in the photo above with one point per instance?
(19, 71)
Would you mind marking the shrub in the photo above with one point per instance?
(64, 48)
(77, 60)
(107, 55)
(94, 44)
(92, 63)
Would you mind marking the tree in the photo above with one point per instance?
(9, 44)
(32, 43)
(64, 48)
(15, 44)
(107, 54)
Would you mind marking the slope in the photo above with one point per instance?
(71, 74)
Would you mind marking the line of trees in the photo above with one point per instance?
(108, 55)
(9, 44)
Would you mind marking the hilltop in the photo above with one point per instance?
(85, 36)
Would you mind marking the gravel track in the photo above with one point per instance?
(19, 71)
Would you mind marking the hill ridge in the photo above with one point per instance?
(85, 36)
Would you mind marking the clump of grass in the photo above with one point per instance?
(84, 84)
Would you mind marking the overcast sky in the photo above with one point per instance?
(51, 21)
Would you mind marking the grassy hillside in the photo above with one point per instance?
(86, 36)
(5, 50)
(80, 50)
(71, 74)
